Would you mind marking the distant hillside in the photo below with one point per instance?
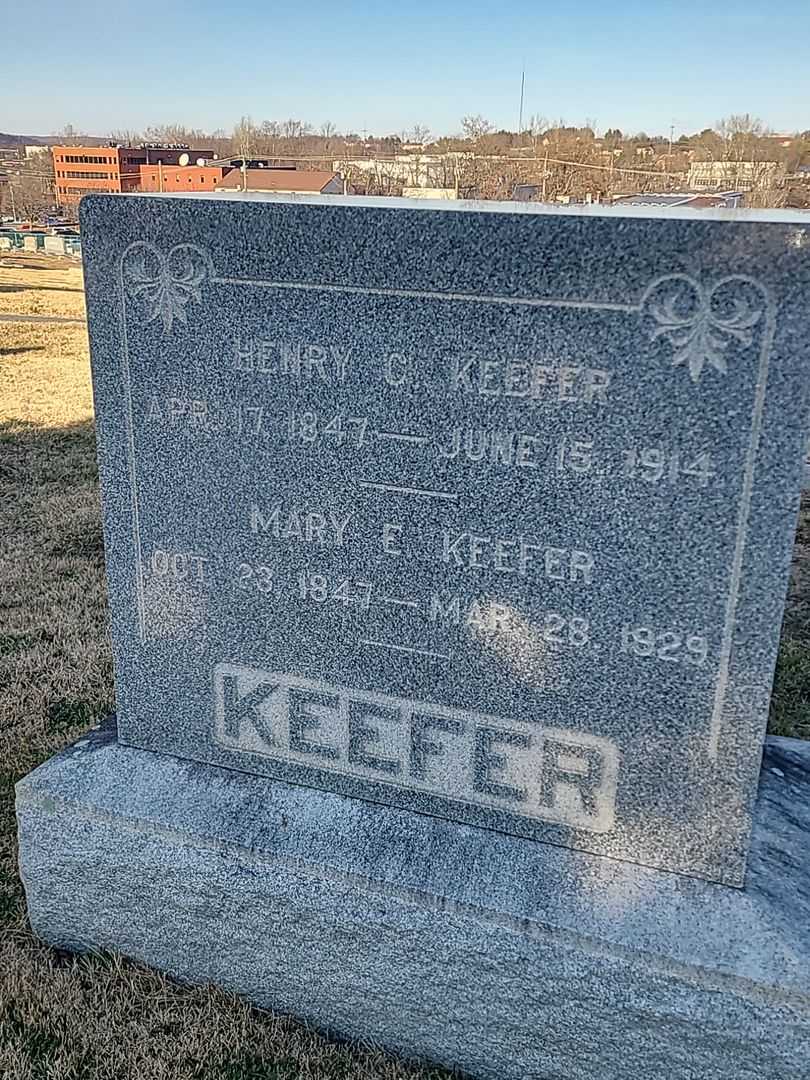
(21, 140)
(7, 140)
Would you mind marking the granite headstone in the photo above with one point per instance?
(481, 512)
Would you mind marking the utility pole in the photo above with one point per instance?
(522, 86)
(545, 174)
(244, 173)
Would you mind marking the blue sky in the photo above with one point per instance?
(638, 66)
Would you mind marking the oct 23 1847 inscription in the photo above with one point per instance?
(484, 513)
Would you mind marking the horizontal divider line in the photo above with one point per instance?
(410, 490)
(401, 436)
(404, 648)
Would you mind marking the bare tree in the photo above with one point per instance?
(244, 138)
(742, 135)
(327, 133)
(125, 137)
(755, 167)
(295, 129)
(220, 142)
(419, 133)
(612, 139)
(538, 125)
(30, 187)
(268, 136)
(173, 133)
(475, 127)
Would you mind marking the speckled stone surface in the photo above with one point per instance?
(481, 512)
(508, 959)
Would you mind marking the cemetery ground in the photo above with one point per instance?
(101, 1017)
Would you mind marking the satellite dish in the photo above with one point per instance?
(183, 159)
(201, 161)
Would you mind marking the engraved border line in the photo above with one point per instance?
(130, 431)
(721, 684)
(429, 294)
(130, 425)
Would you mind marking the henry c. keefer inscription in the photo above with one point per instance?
(485, 514)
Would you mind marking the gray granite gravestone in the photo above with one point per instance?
(462, 512)
(478, 520)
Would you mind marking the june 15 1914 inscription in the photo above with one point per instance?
(484, 513)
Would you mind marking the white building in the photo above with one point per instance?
(735, 175)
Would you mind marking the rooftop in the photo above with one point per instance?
(310, 180)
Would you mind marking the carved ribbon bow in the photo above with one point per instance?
(165, 283)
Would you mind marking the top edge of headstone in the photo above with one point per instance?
(387, 202)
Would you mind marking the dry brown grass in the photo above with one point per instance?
(68, 1018)
(92, 1018)
(39, 287)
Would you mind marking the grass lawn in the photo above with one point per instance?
(101, 1018)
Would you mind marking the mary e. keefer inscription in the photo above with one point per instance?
(485, 514)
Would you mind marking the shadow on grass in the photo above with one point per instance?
(790, 702)
(26, 287)
(52, 553)
(33, 455)
(19, 259)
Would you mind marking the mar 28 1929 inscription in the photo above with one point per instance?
(482, 513)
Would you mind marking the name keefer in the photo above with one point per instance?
(532, 379)
(520, 555)
(516, 764)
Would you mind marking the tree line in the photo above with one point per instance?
(554, 160)
(559, 160)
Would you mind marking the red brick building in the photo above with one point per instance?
(80, 170)
(175, 178)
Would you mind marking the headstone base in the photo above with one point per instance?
(500, 956)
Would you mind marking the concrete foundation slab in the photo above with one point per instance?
(501, 956)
